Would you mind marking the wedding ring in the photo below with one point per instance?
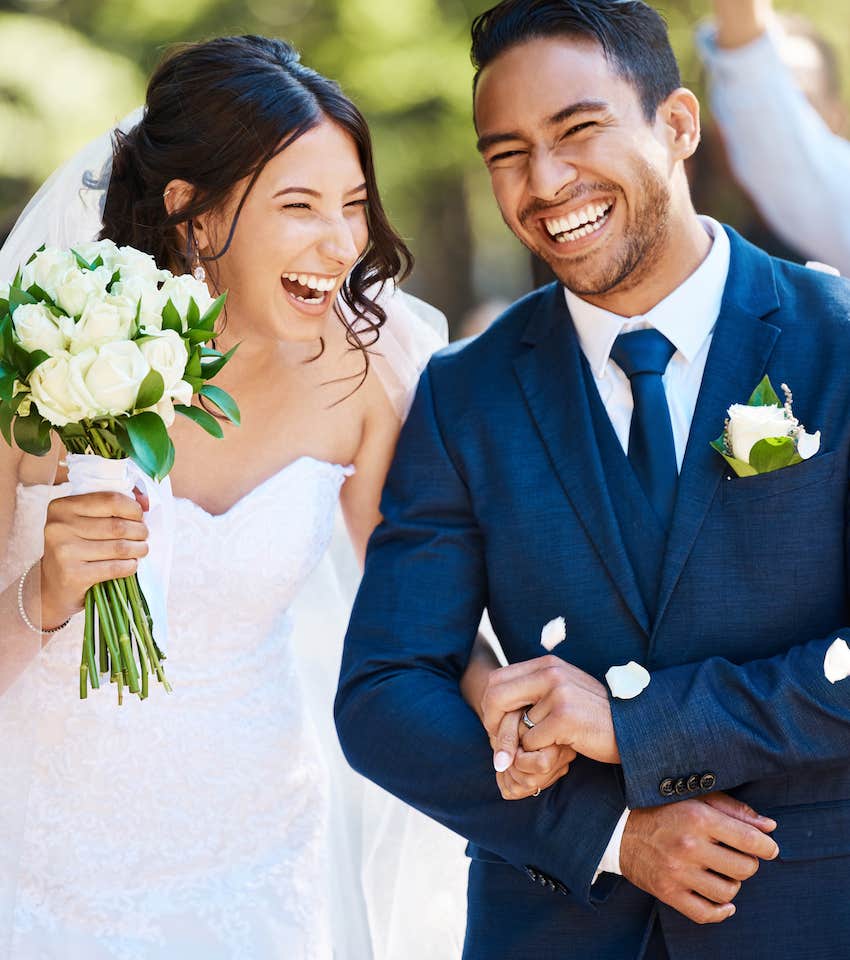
(536, 792)
(527, 720)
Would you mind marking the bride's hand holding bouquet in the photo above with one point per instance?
(101, 347)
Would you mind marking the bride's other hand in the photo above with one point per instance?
(535, 771)
(88, 539)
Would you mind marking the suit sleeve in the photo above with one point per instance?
(737, 722)
(400, 716)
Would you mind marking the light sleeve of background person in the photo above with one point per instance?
(795, 169)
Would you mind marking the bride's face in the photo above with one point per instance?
(301, 231)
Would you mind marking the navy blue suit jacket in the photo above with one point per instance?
(497, 498)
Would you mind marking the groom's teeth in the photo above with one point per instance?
(579, 223)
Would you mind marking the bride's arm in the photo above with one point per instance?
(87, 539)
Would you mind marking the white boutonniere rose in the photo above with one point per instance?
(763, 434)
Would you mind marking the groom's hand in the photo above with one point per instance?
(694, 855)
(570, 707)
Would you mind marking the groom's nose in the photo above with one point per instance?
(549, 175)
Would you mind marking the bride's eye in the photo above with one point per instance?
(296, 206)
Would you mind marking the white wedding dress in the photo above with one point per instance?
(221, 822)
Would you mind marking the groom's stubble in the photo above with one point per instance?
(642, 247)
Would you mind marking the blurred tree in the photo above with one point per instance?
(72, 67)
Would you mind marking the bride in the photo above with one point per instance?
(221, 822)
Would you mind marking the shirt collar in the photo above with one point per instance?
(686, 316)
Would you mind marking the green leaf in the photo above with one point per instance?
(764, 395)
(7, 341)
(193, 314)
(203, 418)
(214, 368)
(18, 297)
(196, 336)
(741, 469)
(193, 367)
(151, 391)
(152, 447)
(211, 314)
(223, 401)
(194, 382)
(32, 435)
(115, 278)
(97, 262)
(82, 263)
(27, 362)
(7, 415)
(774, 453)
(37, 293)
(171, 318)
(7, 382)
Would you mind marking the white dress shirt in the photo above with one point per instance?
(795, 169)
(687, 317)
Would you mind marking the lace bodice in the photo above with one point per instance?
(189, 826)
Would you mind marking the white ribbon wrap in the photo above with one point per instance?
(88, 473)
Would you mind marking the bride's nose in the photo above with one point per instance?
(339, 242)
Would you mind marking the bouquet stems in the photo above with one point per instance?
(117, 620)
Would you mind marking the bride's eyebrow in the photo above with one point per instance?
(314, 193)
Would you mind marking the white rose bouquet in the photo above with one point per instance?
(763, 435)
(103, 348)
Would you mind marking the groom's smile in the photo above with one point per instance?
(582, 177)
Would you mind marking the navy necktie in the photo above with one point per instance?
(643, 356)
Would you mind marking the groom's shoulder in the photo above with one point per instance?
(497, 345)
(815, 301)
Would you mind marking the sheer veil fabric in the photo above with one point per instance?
(398, 880)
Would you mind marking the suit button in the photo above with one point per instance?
(708, 781)
(551, 885)
(681, 786)
(667, 788)
(693, 783)
(542, 880)
(532, 874)
(561, 888)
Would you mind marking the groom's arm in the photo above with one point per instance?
(725, 724)
(400, 716)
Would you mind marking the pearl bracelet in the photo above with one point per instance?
(23, 612)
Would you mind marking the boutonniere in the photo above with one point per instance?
(763, 435)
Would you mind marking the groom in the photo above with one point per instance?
(560, 465)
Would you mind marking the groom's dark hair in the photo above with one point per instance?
(632, 35)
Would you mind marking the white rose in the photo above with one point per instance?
(105, 249)
(138, 289)
(115, 375)
(102, 322)
(37, 329)
(77, 288)
(135, 265)
(748, 425)
(182, 394)
(47, 270)
(166, 353)
(181, 289)
(55, 394)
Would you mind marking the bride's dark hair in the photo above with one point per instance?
(215, 114)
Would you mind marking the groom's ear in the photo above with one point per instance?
(679, 118)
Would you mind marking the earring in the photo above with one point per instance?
(198, 271)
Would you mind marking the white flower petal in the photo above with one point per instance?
(836, 663)
(553, 633)
(808, 444)
(628, 681)
(823, 268)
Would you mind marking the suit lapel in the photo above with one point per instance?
(740, 350)
(550, 375)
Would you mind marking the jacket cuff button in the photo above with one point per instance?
(667, 787)
(708, 781)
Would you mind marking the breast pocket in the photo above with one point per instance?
(820, 469)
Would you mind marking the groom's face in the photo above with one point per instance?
(580, 175)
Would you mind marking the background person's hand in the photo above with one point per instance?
(739, 22)
(694, 855)
(88, 539)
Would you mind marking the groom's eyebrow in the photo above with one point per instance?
(581, 106)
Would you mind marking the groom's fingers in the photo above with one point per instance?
(700, 910)
(739, 811)
(715, 888)
(741, 836)
(730, 863)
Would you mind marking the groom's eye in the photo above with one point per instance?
(578, 128)
(505, 155)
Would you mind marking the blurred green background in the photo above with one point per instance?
(70, 68)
